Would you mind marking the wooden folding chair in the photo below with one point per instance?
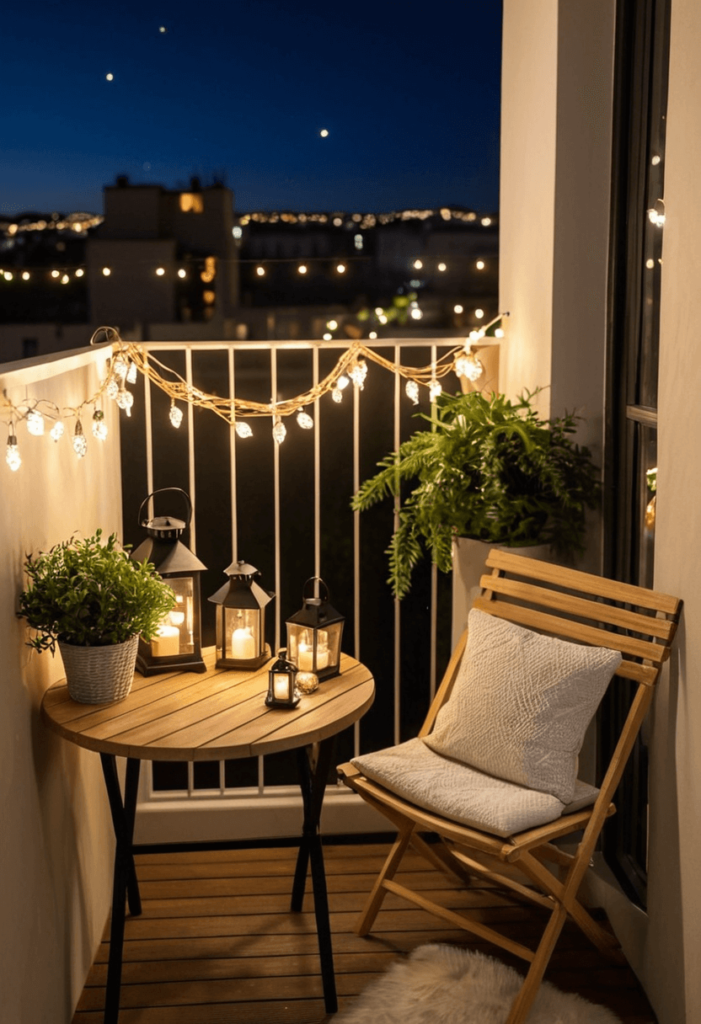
(573, 606)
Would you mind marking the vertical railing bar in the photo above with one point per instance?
(276, 499)
(222, 779)
(356, 546)
(190, 778)
(397, 502)
(434, 591)
(149, 441)
(317, 467)
(261, 777)
(232, 463)
(191, 451)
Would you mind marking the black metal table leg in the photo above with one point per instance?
(125, 883)
(313, 765)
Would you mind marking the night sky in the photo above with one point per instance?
(408, 93)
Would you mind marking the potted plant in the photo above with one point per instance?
(93, 601)
(489, 469)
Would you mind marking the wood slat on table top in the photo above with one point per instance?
(219, 714)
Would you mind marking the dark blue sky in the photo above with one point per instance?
(409, 93)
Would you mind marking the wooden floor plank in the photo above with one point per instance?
(217, 944)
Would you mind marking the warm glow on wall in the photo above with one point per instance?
(191, 202)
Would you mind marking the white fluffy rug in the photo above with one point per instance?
(445, 985)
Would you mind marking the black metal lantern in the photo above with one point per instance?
(178, 643)
(240, 633)
(314, 634)
(282, 692)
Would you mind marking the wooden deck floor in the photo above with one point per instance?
(216, 943)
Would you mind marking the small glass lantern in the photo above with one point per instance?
(178, 643)
(314, 633)
(240, 632)
(282, 692)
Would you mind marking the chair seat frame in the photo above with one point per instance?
(574, 606)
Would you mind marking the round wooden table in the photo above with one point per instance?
(217, 715)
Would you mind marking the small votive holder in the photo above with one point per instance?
(307, 682)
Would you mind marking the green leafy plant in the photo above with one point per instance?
(490, 469)
(91, 594)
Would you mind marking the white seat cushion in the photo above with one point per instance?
(521, 704)
(455, 791)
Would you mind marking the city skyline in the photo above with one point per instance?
(305, 108)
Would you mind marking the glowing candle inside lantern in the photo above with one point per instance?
(243, 646)
(166, 643)
(281, 686)
(305, 658)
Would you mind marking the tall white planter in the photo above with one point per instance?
(469, 557)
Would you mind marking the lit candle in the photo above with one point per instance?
(281, 686)
(305, 658)
(166, 643)
(243, 645)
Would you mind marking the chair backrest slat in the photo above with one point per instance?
(586, 583)
(597, 611)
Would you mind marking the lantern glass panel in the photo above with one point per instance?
(314, 650)
(176, 631)
(283, 686)
(239, 633)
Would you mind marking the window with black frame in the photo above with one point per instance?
(637, 231)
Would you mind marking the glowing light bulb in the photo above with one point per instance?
(486, 221)
(301, 269)
(337, 395)
(160, 271)
(467, 365)
(12, 455)
(416, 313)
(35, 422)
(243, 429)
(358, 373)
(109, 77)
(305, 421)
(182, 273)
(55, 273)
(79, 272)
(341, 268)
(26, 275)
(327, 336)
(260, 271)
(106, 271)
(175, 415)
(499, 332)
(412, 390)
(112, 389)
(417, 264)
(656, 160)
(80, 444)
(324, 133)
(120, 366)
(65, 279)
(125, 400)
(434, 389)
(132, 373)
(57, 430)
(480, 264)
(8, 275)
(332, 324)
(99, 427)
(372, 335)
(279, 430)
(442, 267)
(479, 313)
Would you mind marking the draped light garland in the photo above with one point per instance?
(128, 360)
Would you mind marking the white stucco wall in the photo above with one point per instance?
(56, 849)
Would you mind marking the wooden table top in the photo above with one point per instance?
(210, 716)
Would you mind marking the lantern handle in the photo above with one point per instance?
(160, 490)
(311, 580)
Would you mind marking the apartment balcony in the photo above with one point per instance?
(216, 941)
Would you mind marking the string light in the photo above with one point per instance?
(412, 390)
(243, 429)
(279, 430)
(132, 373)
(99, 427)
(125, 400)
(337, 395)
(305, 421)
(434, 389)
(175, 415)
(35, 423)
(57, 430)
(12, 455)
(112, 388)
(468, 365)
(80, 444)
(358, 373)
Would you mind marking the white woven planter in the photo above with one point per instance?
(99, 675)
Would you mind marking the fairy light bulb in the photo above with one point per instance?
(305, 421)
(467, 365)
(358, 373)
(342, 382)
(12, 455)
(57, 430)
(99, 427)
(80, 444)
(337, 395)
(120, 366)
(279, 430)
(175, 415)
(132, 373)
(112, 389)
(412, 390)
(125, 400)
(434, 389)
(35, 422)
(243, 429)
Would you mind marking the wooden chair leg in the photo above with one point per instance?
(440, 857)
(529, 990)
(378, 892)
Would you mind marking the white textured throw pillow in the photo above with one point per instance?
(521, 704)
